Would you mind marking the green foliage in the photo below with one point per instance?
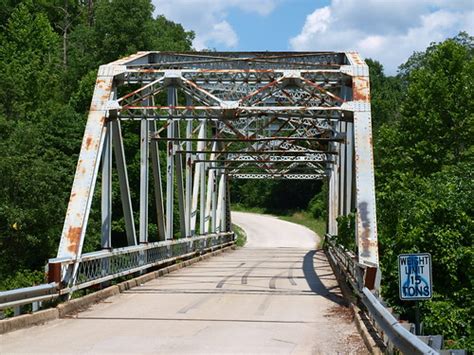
(28, 63)
(22, 278)
(240, 236)
(454, 322)
(424, 164)
(318, 205)
(386, 95)
(170, 36)
(122, 27)
(274, 196)
(346, 231)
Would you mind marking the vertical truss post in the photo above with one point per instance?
(348, 167)
(210, 194)
(189, 171)
(366, 221)
(202, 181)
(214, 201)
(106, 195)
(334, 190)
(330, 217)
(197, 179)
(144, 165)
(170, 166)
(227, 220)
(158, 188)
(220, 208)
(342, 169)
(123, 182)
(366, 229)
(179, 182)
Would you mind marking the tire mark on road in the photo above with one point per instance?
(262, 308)
(221, 283)
(245, 277)
(272, 283)
(194, 305)
(290, 275)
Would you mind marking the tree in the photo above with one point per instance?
(170, 36)
(122, 27)
(28, 63)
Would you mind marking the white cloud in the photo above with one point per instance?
(221, 32)
(207, 18)
(386, 30)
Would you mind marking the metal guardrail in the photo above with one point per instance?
(21, 296)
(101, 266)
(392, 330)
(401, 338)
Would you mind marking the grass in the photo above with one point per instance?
(299, 217)
(241, 237)
(237, 207)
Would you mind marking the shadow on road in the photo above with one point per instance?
(314, 281)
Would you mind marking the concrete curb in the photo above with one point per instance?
(80, 304)
(27, 320)
(360, 325)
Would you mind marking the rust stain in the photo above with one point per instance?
(360, 88)
(88, 143)
(74, 237)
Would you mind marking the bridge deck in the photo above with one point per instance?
(252, 300)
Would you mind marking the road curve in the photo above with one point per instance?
(277, 295)
(264, 231)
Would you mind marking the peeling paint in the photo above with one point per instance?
(361, 89)
(74, 237)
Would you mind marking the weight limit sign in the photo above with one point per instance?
(415, 276)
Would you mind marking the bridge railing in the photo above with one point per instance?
(106, 265)
(390, 330)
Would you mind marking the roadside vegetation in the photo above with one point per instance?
(423, 124)
(240, 235)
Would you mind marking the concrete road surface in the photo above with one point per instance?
(278, 295)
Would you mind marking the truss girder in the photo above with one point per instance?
(245, 116)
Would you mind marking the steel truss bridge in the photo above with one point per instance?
(220, 116)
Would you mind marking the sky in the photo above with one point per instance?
(386, 30)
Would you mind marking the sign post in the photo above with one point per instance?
(415, 281)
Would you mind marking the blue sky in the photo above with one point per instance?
(386, 30)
